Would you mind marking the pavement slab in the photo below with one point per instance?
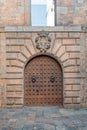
(43, 118)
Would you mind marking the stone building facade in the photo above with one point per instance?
(67, 47)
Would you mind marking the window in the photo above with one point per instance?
(50, 13)
(42, 12)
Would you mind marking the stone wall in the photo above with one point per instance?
(14, 12)
(18, 12)
(71, 12)
(17, 45)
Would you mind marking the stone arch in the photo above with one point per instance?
(44, 54)
(18, 52)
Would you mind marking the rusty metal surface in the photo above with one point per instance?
(43, 82)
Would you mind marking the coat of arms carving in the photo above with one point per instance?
(43, 41)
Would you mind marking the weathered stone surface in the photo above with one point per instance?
(72, 81)
(57, 44)
(14, 69)
(13, 76)
(74, 55)
(64, 57)
(73, 48)
(19, 13)
(76, 87)
(15, 63)
(71, 12)
(69, 62)
(14, 95)
(30, 46)
(68, 87)
(13, 49)
(72, 75)
(61, 35)
(72, 94)
(68, 47)
(69, 42)
(73, 69)
(11, 55)
(68, 100)
(14, 81)
(61, 51)
(49, 127)
(72, 87)
(59, 118)
(14, 13)
(74, 35)
(21, 57)
(76, 100)
(25, 51)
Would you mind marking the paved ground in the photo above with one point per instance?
(43, 118)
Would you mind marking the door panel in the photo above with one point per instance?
(43, 82)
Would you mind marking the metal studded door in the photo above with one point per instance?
(43, 82)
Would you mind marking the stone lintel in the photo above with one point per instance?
(45, 28)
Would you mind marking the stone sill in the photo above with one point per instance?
(49, 29)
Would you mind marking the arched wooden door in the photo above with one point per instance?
(43, 82)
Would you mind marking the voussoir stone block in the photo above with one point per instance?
(21, 57)
(61, 51)
(69, 62)
(25, 51)
(57, 44)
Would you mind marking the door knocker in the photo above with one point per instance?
(33, 79)
(52, 79)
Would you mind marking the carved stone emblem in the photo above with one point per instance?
(43, 41)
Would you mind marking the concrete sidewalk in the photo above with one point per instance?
(43, 118)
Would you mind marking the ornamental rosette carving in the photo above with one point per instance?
(43, 41)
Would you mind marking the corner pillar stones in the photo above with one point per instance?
(18, 46)
(83, 68)
(2, 69)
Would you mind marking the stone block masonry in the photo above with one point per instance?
(14, 12)
(16, 48)
(67, 13)
(68, 45)
(71, 12)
